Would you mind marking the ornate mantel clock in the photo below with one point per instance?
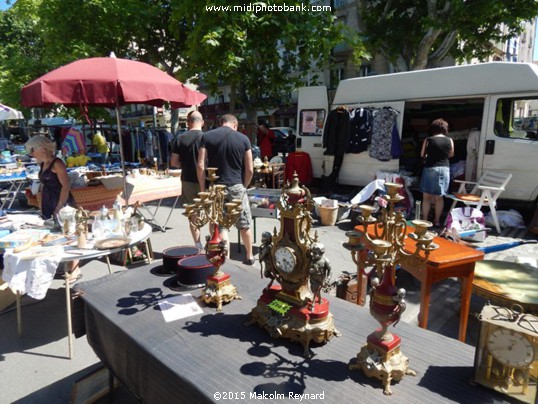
(294, 308)
(507, 353)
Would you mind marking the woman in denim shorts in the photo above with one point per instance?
(436, 150)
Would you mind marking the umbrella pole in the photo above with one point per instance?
(122, 157)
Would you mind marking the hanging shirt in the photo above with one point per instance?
(381, 146)
(360, 130)
(396, 149)
(336, 132)
(300, 163)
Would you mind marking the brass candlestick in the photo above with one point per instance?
(212, 207)
(380, 246)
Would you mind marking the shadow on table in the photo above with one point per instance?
(452, 391)
(141, 300)
(296, 371)
(268, 363)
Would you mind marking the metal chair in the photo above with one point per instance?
(484, 192)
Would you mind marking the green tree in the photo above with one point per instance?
(22, 55)
(137, 29)
(418, 34)
(263, 56)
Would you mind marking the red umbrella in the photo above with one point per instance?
(108, 82)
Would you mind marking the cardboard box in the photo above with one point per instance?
(7, 297)
(262, 195)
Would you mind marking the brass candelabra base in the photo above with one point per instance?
(294, 322)
(383, 360)
(219, 289)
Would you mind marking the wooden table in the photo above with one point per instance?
(449, 260)
(154, 189)
(89, 198)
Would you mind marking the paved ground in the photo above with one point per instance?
(34, 368)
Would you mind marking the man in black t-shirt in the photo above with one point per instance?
(185, 149)
(230, 152)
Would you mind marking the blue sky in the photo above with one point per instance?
(4, 6)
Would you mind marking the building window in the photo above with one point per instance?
(365, 70)
(340, 3)
(337, 74)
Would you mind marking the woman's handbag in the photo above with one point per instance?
(466, 219)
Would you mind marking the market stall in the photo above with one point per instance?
(141, 190)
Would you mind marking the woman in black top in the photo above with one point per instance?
(55, 187)
(436, 150)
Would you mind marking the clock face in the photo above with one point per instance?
(510, 348)
(285, 260)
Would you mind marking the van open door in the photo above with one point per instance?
(312, 109)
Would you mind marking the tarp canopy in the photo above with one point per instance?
(7, 113)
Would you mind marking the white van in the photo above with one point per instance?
(498, 99)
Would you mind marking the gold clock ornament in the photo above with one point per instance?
(506, 358)
(291, 305)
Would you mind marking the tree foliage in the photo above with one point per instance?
(22, 55)
(417, 34)
(262, 55)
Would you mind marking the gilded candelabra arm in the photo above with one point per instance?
(399, 231)
(231, 213)
(424, 246)
(411, 260)
(196, 215)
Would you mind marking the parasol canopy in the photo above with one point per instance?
(108, 82)
(7, 113)
(74, 143)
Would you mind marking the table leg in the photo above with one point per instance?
(362, 282)
(68, 310)
(466, 291)
(19, 316)
(163, 228)
(16, 189)
(8, 198)
(107, 259)
(425, 291)
(149, 250)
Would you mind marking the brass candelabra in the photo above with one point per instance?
(380, 245)
(212, 207)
